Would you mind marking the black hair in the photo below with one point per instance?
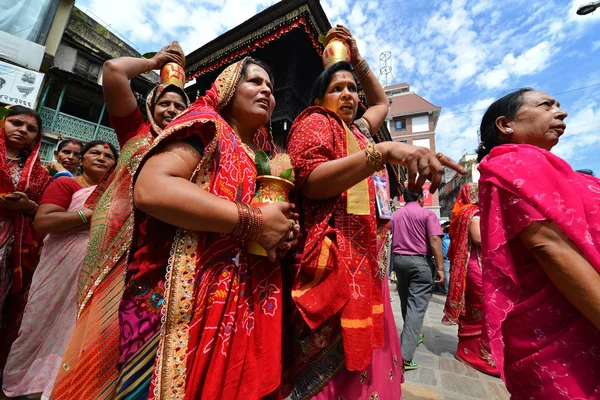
(20, 110)
(65, 142)
(95, 143)
(322, 82)
(262, 64)
(507, 107)
(412, 196)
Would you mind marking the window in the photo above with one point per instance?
(87, 68)
(422, 143)
(400, 125)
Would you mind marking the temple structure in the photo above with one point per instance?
(286, 37)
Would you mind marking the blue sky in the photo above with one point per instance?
(458, 54)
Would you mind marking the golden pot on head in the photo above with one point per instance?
(272, 189)
(335, 51)
(172, 74)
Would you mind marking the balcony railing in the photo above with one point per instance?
(76, 128)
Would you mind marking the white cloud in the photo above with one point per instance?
(596, 45)
(533, 60)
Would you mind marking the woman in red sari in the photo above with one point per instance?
(464, 303)
(200, 317)
(90, 364)
(540, 231)
(346, 334)
(22, 183)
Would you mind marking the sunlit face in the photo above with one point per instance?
(253, 101)
(97, 160)
(20, 130)
(341, 96)
(169, 106)
(539, 121)
(69, 156)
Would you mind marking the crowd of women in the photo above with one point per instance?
(144, 287)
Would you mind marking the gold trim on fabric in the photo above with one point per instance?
(357, 200)
(356, 323)
(378, 309)
(323, 257)
(169, 380)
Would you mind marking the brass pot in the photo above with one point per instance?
(335, 51)
(271, 189)
(173, 74)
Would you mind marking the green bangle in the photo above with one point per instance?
(83, 218)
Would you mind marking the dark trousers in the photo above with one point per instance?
(415, 286)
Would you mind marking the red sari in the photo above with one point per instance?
(464, 303)
(221, 324)
(543, 346)
(338, 290)
(19, 259)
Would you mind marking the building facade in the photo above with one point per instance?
(412, 120)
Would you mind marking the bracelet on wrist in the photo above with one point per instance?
(148, 64)
(250, 222)
(374, 157)
(82, 216)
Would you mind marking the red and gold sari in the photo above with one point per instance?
(464, 303)
(344, 346)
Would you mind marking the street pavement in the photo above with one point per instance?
(440, 376)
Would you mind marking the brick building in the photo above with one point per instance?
(411, 119)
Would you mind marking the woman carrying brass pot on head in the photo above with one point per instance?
(346, 338)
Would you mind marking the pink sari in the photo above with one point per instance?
(543, 347)
(35, 357)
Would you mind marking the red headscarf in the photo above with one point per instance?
(466, 206)
(33, 181)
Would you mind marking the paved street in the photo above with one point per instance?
(440, 376)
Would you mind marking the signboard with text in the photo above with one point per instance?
(19, 85)
(21, 51)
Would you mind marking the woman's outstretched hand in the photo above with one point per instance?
(422, 164)
(280, 229)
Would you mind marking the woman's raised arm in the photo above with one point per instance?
(116, 74)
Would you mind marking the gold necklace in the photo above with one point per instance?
(15, 158)
(81, 179)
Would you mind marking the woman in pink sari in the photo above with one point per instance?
(50, 314)
(464, 303)
(540, 227)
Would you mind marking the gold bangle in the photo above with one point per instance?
(362, 69)
(374, 157)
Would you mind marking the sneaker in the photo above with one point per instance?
(421, 339)
(408, 366)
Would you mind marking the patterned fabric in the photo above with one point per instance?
(221, 332)
(543, 347)
(102, 278)
(466, 206)
(35, 357)
(339, 273)
(473, 346)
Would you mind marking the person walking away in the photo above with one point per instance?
(416, 236)
(35, 356)
(464, 303)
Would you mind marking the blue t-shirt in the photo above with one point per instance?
(445, 244)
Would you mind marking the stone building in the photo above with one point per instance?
(71, 103)
(453, 181)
